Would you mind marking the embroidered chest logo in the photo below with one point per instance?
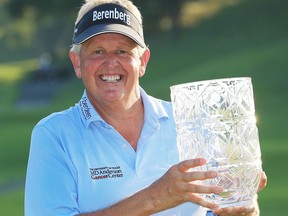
(106, 173)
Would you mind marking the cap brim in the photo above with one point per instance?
(109, 28)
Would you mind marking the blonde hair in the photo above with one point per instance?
(89, 4)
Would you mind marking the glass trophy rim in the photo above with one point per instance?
(183, 85)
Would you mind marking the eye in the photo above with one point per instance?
(121, 51)
(99, 51)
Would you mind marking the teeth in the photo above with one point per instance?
(110, 78)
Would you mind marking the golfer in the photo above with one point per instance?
(114, 152)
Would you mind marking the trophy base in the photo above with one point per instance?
(232, 202)
(235, 204)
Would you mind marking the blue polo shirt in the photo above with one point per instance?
(78, 163)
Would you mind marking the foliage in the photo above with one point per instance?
(32, 22)
(44, 8)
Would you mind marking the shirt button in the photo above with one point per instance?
(155, 124)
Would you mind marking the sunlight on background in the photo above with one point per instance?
(12, 72)
(194, 12)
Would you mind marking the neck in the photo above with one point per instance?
(126, 118)
(111, 112)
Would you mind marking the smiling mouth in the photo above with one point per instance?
(110, 78)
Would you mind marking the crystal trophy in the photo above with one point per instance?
(215, 120)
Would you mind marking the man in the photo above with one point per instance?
(115, 152)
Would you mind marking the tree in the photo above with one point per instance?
(40, 26)
(48, 25)
(156, 11)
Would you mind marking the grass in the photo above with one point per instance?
(247, 40)
(13, 71)
(12, 203)
(273, 198)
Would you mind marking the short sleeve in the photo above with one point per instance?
(51, 179)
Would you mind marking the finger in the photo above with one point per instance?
(202, 202)
(199, 175)
(263, 181)
(203, 189)
(184, 166)
(239, 210)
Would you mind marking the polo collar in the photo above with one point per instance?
(153, 109)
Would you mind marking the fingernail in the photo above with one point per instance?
(214, 174)
(219, 190)
(202, 160)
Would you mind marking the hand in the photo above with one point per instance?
(263, 181)
(252, 210)
(236, 211)
(179, 185)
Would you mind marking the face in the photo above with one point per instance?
(110, 66)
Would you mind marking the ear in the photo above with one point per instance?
(76, 63)
(144, 61)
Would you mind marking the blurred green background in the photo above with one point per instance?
(190, 41)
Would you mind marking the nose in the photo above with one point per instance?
(111, 60)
